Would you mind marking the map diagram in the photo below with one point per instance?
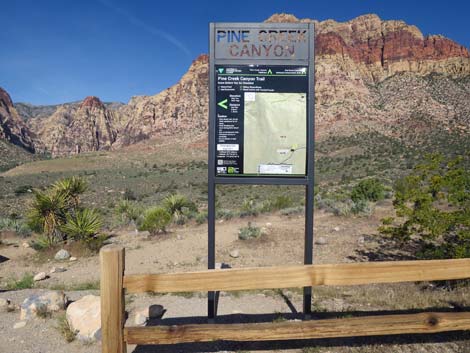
(275, 133)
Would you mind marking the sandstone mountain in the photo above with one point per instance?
(182, 108)
(12, 127)
(371, 75)
(75, 128)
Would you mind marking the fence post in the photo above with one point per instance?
(112, 299)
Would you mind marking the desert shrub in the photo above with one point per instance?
(65, 329)
(201, 217)
(249, 232)
(129, 195)
(292, 211)
(363, 207)
(15, 225)
(23, 189)
(433, 203)
(47, 214)
(57, 214)
(369, 190)
(156, 220)
(84, 225)
(282, 201)
(25, 282)
(71, 189)
(178, 205)
(338, 208)
(248, 208)
(225, 214)
(127, 211)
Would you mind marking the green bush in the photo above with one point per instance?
(249, 232)
(156, 220)
(25, 282)
(434, 204)
(368, 190)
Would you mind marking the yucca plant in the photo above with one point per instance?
(176, 203)
(71, 188)
(84, 225)
(47, 214)
(127, 211)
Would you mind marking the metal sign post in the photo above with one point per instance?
(261, 116)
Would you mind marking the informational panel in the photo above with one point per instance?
(260, 110)
(261, 125)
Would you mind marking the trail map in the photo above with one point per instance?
(275, 133)
(261, 120)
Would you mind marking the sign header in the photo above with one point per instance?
(263, 41)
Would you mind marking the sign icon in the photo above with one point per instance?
(270, 72)
(221, 70)
(223, 103)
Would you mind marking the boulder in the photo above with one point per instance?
(50, 301)
(58, 269)
(143, 314)
(235, 253)
(321, 241)
(84, 316)
(40, 276)
(19, 324)
(62, 255)
(73, 258)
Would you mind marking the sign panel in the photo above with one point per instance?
(261, 120)
(262, 42)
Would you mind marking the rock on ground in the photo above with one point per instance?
(321, 241)
(40, 276)
(49, 301)
(62, 255)
(84, 316)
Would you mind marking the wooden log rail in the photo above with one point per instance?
(114, 283)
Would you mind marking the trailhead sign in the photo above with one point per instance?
(261, 99)
(261, 117)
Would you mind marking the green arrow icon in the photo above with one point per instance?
(223, 104)
(270, 72)
(221, 70)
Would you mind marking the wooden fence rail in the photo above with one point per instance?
(114, 282)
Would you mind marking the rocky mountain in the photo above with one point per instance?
(182, 108)
(30, 111)
(75, 128)
(357, 64)
(371, 75)
(12, 127)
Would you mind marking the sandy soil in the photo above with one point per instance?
(184, 248)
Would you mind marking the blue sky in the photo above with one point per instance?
(63, 50)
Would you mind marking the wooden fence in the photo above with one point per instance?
(114, 282)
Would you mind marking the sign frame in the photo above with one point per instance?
(307, 180)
